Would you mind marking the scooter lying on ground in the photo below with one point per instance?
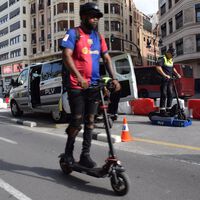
(112, 168)
(175, 117)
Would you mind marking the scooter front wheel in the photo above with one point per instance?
(120, 183)
(65, 168)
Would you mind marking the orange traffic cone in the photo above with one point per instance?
(125, 135)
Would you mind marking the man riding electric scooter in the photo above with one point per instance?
(81, 58)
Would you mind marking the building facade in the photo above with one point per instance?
(14, 39)
(180, 27)
(31, 30)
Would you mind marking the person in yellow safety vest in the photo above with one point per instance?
(166, 69)
(114, 98)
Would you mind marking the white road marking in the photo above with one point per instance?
(7, 140)
(11, 190)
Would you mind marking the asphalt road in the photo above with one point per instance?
(160, 166)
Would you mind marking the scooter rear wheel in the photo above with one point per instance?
(65, 168)
(120, 183)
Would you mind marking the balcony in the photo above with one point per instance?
(41, 39)
(41, 6)
(33, 41)
(41, 24)
(33, 11)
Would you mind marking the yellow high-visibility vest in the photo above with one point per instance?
(168, 62)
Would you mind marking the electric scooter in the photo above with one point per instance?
(175, 113)
(112, 168)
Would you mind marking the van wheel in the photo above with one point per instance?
(16, 112)
(58, 116)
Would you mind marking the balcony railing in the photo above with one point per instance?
(41, 6)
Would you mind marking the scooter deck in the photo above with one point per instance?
(96, 171)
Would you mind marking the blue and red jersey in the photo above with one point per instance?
(87, 51)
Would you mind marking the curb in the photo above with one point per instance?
(25, 123)
(100, 136)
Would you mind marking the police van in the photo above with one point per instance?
(38, 87)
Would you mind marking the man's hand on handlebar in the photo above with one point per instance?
(178, 75)
(167, 77)
(116, 84)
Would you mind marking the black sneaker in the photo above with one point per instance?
(86, 161)
(164, 114)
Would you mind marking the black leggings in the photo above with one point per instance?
(166, 92)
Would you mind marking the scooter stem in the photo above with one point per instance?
(105, 115)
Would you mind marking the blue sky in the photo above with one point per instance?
(147, 6)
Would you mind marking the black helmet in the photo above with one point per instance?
(90, 8)
(171, 50)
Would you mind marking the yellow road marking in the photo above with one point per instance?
(167, 144)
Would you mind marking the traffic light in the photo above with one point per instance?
(112, 38)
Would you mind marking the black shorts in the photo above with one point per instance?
(83, 102)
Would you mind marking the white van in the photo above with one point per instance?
(38, 87)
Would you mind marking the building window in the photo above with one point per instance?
(34, 50)
(163, 30)
(24, 23)
(198, 42)
(24, 37)
(71, 23)
(14, 13)
(24, 10)
(106, 8)
(169, 4)
(163, 50)
(15, 26)
(179, 47)
(33, 8)
(170, 26)
(25, 51)
(62, 25)
(130, 20)
(62, 8)
(48, 2)
(197, 8)
(179, 20)
(115, 26)
(163, 9)
(71, 7)
(43, 48)
(115, 9)
(106, 26)
(15, 53)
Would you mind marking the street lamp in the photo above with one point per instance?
(149, 42)
(112, 39)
